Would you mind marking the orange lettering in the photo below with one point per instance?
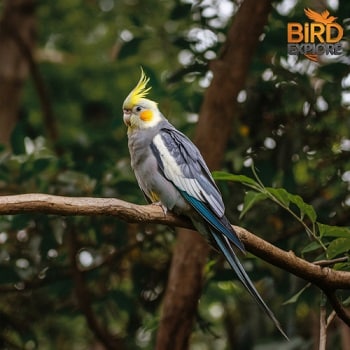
(337, 29)
(314, 33)
(294, 32)
(306, 32)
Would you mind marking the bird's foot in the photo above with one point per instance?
(164, 208)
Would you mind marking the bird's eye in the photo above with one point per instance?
(138, 109)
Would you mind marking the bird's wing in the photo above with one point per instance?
(182, 164)
(314, 15)
(325, 14)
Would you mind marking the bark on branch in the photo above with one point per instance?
(324, 277)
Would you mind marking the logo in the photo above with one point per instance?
(312, 39)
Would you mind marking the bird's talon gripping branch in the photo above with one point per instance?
(164, 208)
(170, 169)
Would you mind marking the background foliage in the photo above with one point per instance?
(293, 124)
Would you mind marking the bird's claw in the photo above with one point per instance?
(164, 208)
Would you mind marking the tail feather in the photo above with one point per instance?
(224, 245)
(222, 234)
(220, 224)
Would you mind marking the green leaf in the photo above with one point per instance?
(305, 209)
(311, 247)
(250, 199)
(286, 198)
(333, 231)
(345, 266)
(296, 296)
(224, 176)
(280, 194)
(338, 246)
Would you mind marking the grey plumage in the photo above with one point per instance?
(171, 171)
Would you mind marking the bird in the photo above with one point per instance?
(172, 173)
(323, 17)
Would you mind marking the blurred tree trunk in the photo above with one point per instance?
(17, 34)
(345, 334)
(212, 134)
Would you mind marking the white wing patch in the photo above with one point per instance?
(169, 162)
(173, 172)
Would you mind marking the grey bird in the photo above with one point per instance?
(171, 172)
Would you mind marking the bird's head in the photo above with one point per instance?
(140, 112)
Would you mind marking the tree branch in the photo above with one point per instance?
(324, 277)
(337, 306)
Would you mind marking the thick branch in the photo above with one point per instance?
(324, 277)
(87, 206)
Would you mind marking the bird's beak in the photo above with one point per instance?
(127, 116)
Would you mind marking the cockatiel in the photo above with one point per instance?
(171, 171)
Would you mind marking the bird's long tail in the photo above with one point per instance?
(224, 245)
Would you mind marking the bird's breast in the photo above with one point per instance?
(150, 179)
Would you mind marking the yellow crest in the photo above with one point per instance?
(139, 91)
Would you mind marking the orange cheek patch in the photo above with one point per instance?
(146, 115)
